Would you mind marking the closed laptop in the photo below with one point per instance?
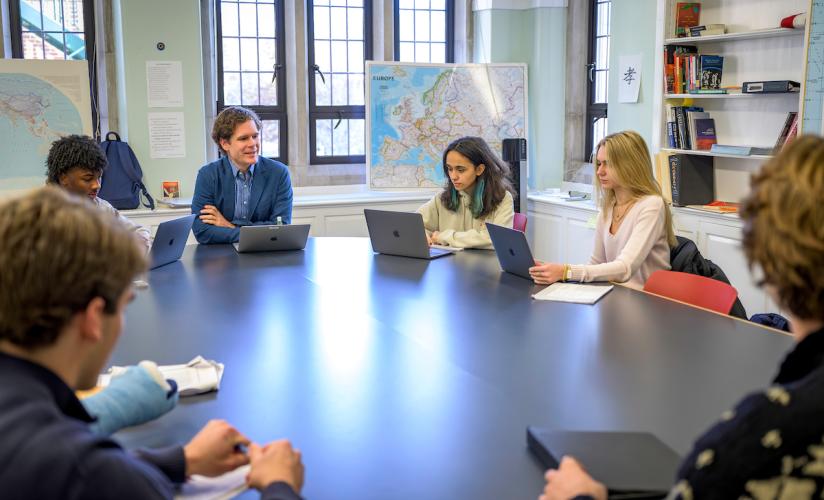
(629, 464)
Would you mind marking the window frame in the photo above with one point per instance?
(450, 30)
(594, 111)
(266, 112)
(333, 112)
(16, 32)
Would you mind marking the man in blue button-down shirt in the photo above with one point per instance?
(242, 188)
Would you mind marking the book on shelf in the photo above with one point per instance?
(672, 57)
(708, 91)
(691, 117)
(687, 14)
(790, 125)
(682, 126)
(662, 175)
(704, 134)
(692, 179)
(707, 30)
(720, 207)
(740, 150)
(711, 68)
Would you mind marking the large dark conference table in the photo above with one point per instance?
(409, 379)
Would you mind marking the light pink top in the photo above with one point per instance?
(636, 250)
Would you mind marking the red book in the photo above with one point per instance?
(686, 14)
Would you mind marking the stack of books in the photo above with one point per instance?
(690, 127)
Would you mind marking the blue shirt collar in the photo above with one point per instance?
(235, 170)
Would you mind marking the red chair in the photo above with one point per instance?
(519, 222)
(693, 289)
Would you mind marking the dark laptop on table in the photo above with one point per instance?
(400, 233)
(272, 238)
(512, 249)
(170, 240)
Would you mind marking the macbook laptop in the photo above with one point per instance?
(272, 238)
(400, 233)
(512, 249)
(170, 240)
(630, 464)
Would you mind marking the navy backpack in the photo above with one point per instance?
(122, 182)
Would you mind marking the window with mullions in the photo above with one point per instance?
(424, 30)
(55, 29)
(339, 33)
(598, 74)
(250, 66)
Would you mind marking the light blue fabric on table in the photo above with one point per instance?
(131, 398)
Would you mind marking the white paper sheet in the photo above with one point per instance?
(164, 84)
(167, 135)
(629, 78)
(222, 487)
(573, 292)
(195, 377)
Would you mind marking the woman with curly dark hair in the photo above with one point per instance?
(477, 191)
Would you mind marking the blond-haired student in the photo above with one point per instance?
(477, 191)
(633, 232)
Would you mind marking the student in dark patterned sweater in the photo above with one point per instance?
(771, 444)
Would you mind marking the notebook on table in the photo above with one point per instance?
(272, 238)
(400, 233)
(629, 464)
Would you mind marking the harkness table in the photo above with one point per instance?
(411, 379)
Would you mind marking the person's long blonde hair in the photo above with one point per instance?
(628, 158)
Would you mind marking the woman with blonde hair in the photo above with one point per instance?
(633, 233)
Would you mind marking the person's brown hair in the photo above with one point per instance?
(784, 226)
(493, 182)
(227, 121)
(57, 253)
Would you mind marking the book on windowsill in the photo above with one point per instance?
(175, 202)
(727, 149)
(721, 207)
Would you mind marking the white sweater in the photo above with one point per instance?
(635, 251)
(459, 229)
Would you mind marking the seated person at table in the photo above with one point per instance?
(477, 191)
(771, 444)
(66, 277)
(241, 188)
(633, 231)
(76, 163)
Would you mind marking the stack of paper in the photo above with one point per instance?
(573, 292)
(195, 377)
(227, 486)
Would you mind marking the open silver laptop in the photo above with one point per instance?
(400, 233)
(170, 241)
(512, 249)
(272, 238)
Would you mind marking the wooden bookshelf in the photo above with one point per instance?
(736, 95)
(700, 152)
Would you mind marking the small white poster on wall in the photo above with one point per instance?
(167, 135)
(629, 78)
(164, 80)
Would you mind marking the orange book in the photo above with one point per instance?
(686, 14)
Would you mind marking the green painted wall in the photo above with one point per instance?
(632, 32)
(536, 37)
(140, 25)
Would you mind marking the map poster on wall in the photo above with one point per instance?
(414, 110)
(40, 101)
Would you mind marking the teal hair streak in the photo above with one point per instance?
(478, 199)
(454, 197)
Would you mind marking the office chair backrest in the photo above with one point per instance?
(519, 222)
(693, 289)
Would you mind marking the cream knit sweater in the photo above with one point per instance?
(459, 229)
(635, 251)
